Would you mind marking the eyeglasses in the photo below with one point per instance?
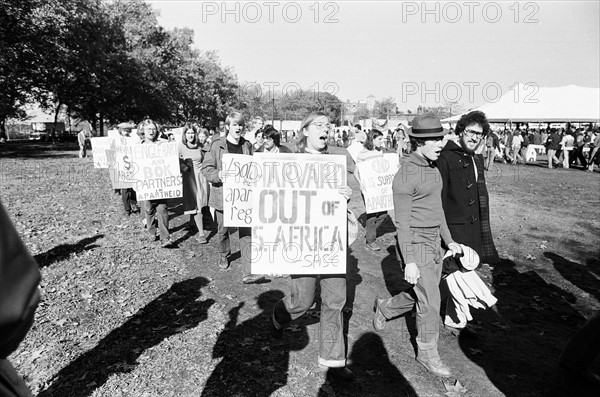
(322, 126)
(473, 134)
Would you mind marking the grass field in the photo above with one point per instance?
(121, 316)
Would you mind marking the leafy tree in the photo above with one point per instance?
(384, 108)
(22, 49)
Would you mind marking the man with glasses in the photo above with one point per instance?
(464, 193)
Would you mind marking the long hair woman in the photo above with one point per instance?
(373, 147)
(314, 132)
(195, 186)
(155, 209)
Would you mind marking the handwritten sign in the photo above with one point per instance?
(376, 177)
(299, 223)
(156, 170)
(99, 147)
(240, 173)
(122, 168)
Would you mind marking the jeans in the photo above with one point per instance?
(426, 242)
(374, 220)
(157, 209)
(491, 154)
(332, 350)
(552, 157)
(224, 240)
(129, 199)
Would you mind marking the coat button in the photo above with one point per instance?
(473, 219)
(470, 184)
(471, 201)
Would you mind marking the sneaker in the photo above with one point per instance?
(168, 243)
(379, 319)
(373, 246)
(224, 262)
(202, 239)
(436, 367)
(253, 278)
(276, 333)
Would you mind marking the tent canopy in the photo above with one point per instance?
(529, 103)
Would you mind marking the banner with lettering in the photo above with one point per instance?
(99, 147)
(122, 168)
(376, 176)
(156, 170)
(239, 174)
(299, 221)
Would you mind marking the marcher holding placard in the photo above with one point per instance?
(332, 354)
(373, 147)
(195, 186)
(130, 204)
(233, 142)
(420, 223)
(155, 209)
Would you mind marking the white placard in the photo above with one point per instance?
(299, 223)
(376, 177)
(156, 170)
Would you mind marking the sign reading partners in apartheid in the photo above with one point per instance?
(376, 177)
(239, 174)
(157, 173)
(299, 218)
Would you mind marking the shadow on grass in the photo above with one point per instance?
(375, 375)
(584, 277)
(520, 350)
(174, 311)
(253, 364)
(63, 251)
(393, 275)
(40, 150)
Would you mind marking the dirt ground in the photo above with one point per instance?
(121, 316)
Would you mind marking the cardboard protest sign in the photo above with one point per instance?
(299, 219)
(156, 170)
(99, 147)
(239, 173)
(122, 167)
(376, 176)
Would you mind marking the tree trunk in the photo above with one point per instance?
(101, 132)
(3, 134)
(55, 118)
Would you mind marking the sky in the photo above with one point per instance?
(415, 52)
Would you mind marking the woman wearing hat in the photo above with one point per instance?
(420, 226)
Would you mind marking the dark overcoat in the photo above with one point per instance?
(465, 200)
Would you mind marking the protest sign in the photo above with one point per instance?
(156, 170)
(299, 221)
(376, 176)
(99, 147)
(239, 173)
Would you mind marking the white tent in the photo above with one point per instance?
(529, 103)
